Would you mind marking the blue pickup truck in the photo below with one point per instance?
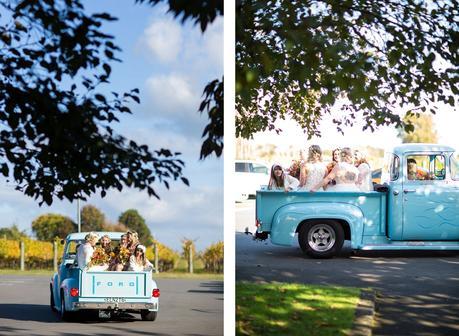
(415, 207)
(73, 289)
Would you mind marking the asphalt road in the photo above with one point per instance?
(417, 291)
(187, 307)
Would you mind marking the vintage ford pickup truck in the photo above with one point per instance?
(416, 207)
(73, 289)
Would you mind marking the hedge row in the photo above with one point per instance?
(167, 258)
(39, 254)
(213, 258)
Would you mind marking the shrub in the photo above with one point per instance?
(167, 258)
(37, 254)
(213, 258)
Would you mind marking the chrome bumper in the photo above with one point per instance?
(115, 305)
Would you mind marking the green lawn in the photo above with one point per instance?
(294, 309)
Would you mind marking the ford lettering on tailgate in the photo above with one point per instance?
(107, 284)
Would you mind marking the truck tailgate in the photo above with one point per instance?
(129, 285)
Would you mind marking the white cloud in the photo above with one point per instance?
(163, 37)
(172, 93)
(214, 42)
(184, 45)
(180, 210)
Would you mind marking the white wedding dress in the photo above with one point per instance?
(315, 173)
(346, 177)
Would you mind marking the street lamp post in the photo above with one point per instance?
(78, 215)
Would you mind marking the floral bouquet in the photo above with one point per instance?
(294, 169)
(123, 255)
(99, 257)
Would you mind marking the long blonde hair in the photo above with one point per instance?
(314, 149)
(361, 158)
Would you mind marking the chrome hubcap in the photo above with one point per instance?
(321, 237)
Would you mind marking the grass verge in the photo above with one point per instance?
(165, 275)
(294, 309)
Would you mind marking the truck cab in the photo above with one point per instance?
(415, 207)
(73, 289)
(423, 202)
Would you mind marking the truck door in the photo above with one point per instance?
(430, 202)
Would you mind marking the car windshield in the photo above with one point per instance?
(258, 168)
(242, 167)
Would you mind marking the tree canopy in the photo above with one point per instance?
(56, 135)
(12, 233)
(47, 227)
(92, 219)
(424, 129)
(203, 13)
(134, 221)
(369, 58)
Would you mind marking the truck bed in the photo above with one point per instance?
(369, 206)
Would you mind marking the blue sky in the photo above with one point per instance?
(170, 63)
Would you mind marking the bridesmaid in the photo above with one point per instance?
(364, 181)
(313, 170)
(279, 180)
(344, 173)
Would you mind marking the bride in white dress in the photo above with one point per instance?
(313, 170)
(344, 173)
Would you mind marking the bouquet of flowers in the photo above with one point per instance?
(294, 169)
(123, 255)
(99, 257)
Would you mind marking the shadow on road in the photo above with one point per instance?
(211, 287)
(27, 312)
(418, 288)
(42, 313)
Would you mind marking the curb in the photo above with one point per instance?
(364, 314)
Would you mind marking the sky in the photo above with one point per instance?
(170, 63)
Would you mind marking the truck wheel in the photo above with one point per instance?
(321, 239)
(65, 315)
(148, 315)
(51, 299)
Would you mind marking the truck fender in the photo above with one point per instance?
(66, 285)
(287, 219)
(54, 283)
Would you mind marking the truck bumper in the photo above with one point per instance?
(115, 305)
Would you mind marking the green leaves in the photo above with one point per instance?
(56, 139)
(201, 12)
(300, 58)
(213, 104)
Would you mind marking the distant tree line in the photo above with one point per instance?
(47, 227)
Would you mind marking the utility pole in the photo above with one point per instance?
(78, 215)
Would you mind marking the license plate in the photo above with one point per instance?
(114, 299)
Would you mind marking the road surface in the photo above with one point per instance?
(417, 291)
(187, 307)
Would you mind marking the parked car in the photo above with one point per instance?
(416, 208)
(107, 292)
(249, 177)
